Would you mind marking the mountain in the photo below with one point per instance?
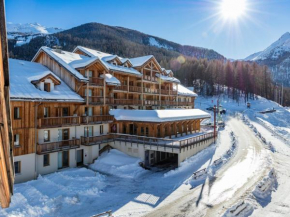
(277, 58)
(23, 33)
(112, 39)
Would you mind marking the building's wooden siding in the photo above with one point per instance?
(6, 161)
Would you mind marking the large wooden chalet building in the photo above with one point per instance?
(68, 107)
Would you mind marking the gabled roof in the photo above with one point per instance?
(67, 60)
(105, 58)
(184, 91)
(22, 73)
(158, 116)
(53, 77)
(141, 61)
(167, 78)
(110, 79)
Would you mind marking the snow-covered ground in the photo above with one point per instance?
(230, 183)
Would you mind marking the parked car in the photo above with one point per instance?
(210, 108)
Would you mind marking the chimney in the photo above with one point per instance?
(57, 49)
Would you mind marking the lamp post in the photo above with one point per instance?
(214, 115)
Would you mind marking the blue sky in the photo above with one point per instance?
(195, 22)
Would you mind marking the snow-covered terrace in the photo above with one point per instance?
(23, 73)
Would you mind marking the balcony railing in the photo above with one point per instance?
(172, 143)
(57, 146)
(127, 102)
(94, 140)
(99, 100)
(149, 90)
(96, 81)
(173, 103)
(58, 121)
(122, 88)
(165, 92)
(96, 119)
(185, 103)
(135, 89)
(149, 78)
(151, 102)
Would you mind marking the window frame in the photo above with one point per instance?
(17, 113)
(48, 140)
(17, 172)
(17, 134)
(45, 85)
(46, 112)
(48, 160)
(101, 129)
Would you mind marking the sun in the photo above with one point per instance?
(233, 9)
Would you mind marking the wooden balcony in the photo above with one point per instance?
(165, 92)
(94, 140)
(121, 88)
(135, 89)
(151, 91)
(151, 102)
(58, 146)
(127, 102)
(185, 103)
(58, 121)
(149, 78)
(96, 119)
(99, 100)
(95, 81)
(169, 103)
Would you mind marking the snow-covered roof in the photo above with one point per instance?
(184, 91)
(110, 79)
(167, 78)
(22, 73)
(68, 60)
(139, 61)
(168, 71)
(105, 57)
(158, 115)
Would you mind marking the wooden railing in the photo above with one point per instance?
(122, 88)
(165, 92)
(172, 143)
(58, 121)
(149, 78)
(127, 102)
(135, 89)
(173, 103)
(185, 103)
(96, 119)
(99, 100)
(93, 140)
(57, 146)
(150, 90)
(151, 102)
(96, 81)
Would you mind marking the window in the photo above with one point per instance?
(101, 129)
(89, 74)
(147, 131)
(46, 112)
(89, 111)
(101, 111)
(65, 134)
(88, 131)
(142, 131)
(101, 93)
(16, 140)
(88, 92)
(46, 136)
(17, 113)
(65, 111)
(46, 160)
(17, 167)
(47, 87)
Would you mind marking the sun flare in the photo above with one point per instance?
(233, 9)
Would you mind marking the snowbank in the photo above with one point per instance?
(241, 209)
(266, 186)
(118, 164)
(70, 191)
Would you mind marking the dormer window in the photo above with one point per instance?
(47, 87)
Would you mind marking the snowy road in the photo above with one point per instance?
(231, 183)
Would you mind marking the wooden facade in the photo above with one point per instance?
(6, 156)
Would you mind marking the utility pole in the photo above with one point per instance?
(214, 132)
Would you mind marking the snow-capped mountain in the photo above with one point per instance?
(23, 33)
(277, 58)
